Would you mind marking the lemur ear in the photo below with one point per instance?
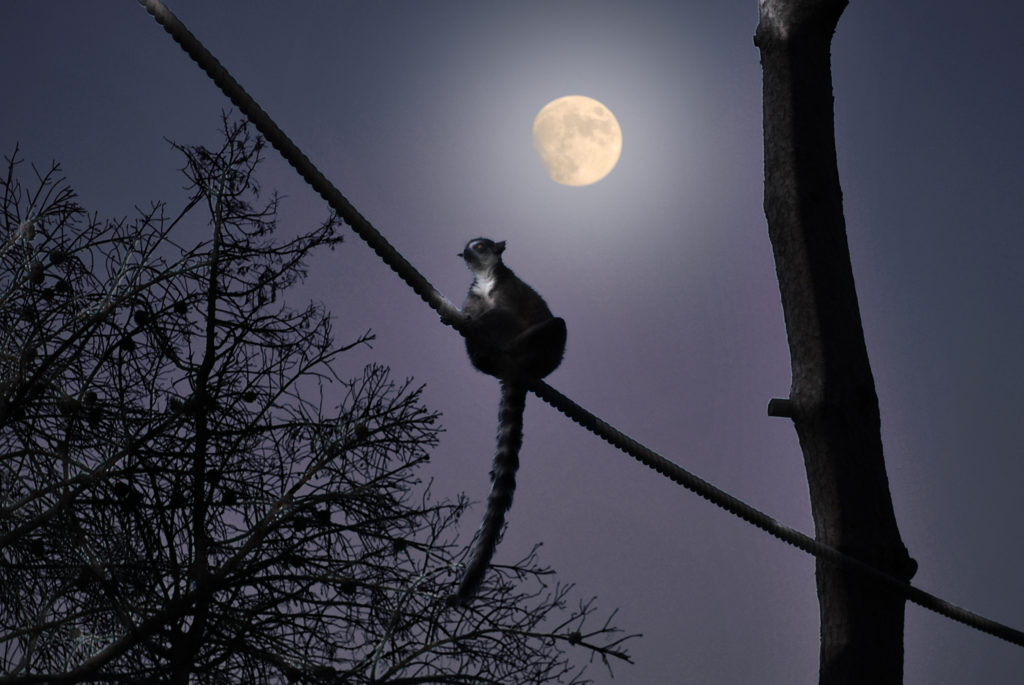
(499, 246)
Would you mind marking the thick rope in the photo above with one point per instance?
(452, 316)
(755, 517)
(291, 152)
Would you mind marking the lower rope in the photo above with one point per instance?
(758, 518)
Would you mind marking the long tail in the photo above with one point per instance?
(503, 485)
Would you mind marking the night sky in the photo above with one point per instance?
(420, 114)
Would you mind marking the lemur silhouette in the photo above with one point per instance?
(510, 334)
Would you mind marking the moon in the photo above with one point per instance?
(578, 139)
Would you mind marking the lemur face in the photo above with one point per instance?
(482, 253)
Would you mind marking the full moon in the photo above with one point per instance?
(578, 139)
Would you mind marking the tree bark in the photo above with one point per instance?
(833, 402)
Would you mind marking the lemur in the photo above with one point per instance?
(511, 334)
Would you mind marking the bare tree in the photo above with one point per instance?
(189, 491)
(832, 400)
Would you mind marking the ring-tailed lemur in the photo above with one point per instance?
(510, 334)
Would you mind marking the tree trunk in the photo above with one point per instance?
(832, 399)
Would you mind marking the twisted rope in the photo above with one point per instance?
(451, 315)
(301, 163)
(759, 519)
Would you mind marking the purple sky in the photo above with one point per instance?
(420, 113)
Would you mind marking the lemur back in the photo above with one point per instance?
(510, 334)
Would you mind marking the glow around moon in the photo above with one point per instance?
(578, 139)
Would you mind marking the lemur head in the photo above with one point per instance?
(481, 254)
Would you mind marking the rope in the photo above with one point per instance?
(290, 151)
(759, 519)
(450, 315)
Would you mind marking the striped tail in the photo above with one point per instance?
(503, 484)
